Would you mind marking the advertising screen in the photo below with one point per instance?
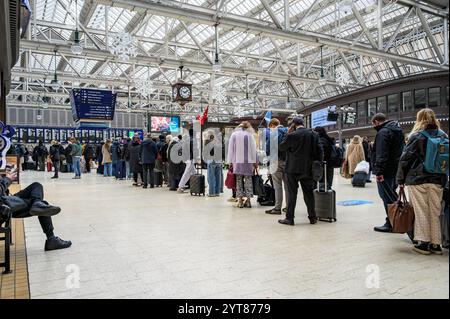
(165, 123)
(320, 117)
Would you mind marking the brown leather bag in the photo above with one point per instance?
(401, 214)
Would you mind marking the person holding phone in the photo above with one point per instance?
(30, 203)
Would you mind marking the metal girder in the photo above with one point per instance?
(349, 68)
(272, 14)
(195, 14)
(430, 36)
(186, 28)
(302, 19)
(399, 27)
(361, 22)
(440, 12)
(101, 55)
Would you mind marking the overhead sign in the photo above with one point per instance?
(93, 105)
(320, 117)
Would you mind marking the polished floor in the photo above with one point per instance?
(137, 243)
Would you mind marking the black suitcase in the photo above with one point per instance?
(158, 178)
(325, 203)
(359, 179)
(197, 184)
(64, 168)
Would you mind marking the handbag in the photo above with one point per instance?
(258, 185)
(401, 214)
(230, 181)
(269, 197)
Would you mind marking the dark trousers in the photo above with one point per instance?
(387, 192)
(307, 185)
(149, 178)
(31, 194)
(88, 165)
(120, 170)
(330, 178)
(136, 176)
(174, 182)
(56, 167)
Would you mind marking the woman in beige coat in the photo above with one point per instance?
(107, 159)
(355, 154)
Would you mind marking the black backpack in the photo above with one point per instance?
(337, 157)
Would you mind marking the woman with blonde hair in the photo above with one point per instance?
(243, 158)
(107, 158)
(425, 187)
(355, 154)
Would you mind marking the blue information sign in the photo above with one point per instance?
(88, 104)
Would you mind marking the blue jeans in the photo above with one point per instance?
(214, 178)
(76, 162)
(387, 192)
(108, 169)
(128, 170)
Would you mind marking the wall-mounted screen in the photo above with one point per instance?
(320, 117)
(165, 124)
(89, 104)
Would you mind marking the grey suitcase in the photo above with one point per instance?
(325, 203)
(359, 179)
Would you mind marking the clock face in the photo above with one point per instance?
(185, 92)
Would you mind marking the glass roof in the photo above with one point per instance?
(166, 38)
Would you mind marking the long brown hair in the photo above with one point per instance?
(425, 117)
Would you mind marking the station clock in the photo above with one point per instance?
(182, 92)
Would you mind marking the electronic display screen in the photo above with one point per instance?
(320, 117)
(165, 124)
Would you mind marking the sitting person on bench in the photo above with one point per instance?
(29, 203)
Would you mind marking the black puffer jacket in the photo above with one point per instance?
(387, 149)
(411, 169)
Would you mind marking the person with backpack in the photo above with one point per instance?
(148, 155)
(332, 155)
(277, 133)
(302, 148)
(115, 156)
(76, 153)
(55, 157)
(424, 170)
(385, 158)
(40, 153)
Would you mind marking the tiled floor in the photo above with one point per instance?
(15, 284)
(136, 243)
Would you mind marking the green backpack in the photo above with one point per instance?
(436, 158)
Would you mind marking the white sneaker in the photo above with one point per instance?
(180, 191)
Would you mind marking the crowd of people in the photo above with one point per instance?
(293, 153)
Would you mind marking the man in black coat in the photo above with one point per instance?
(302, 147)
(385, 158)
(28, 203)
(148, 154)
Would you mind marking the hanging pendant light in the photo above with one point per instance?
(55, 83)
(322, 79)
(77, 48)
(217, 67)
(247, 100)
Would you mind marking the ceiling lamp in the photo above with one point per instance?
(76, 48)
(322, 79)
(217, 67)
(247, 100)
(55, 83)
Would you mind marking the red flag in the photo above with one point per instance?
(204, 117)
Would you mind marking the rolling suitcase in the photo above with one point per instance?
(158, 178)
(49, 166)
(197, 184)
(359, 179)
(325, 202)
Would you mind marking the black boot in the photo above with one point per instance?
(386, 228)
(56, 243)
(289, 222)
(42, 208)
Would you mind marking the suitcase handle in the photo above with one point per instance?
(325, 177)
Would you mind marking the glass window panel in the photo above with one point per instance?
(420, 99)
(382, 104)
(434, 97)
(407, 101)
(362, 109)
(393, 103)
(353, 106)
(372, 107)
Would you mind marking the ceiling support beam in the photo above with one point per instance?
(195, 14)
(272, 14)
(307, 14)
(349, 68)
(194, 38)
(366, 31)
(430, 36)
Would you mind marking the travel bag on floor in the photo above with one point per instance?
(197, 184)
(360, 179)
(49, 166)
(269, 194)
(158, 178)
(325, 202)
